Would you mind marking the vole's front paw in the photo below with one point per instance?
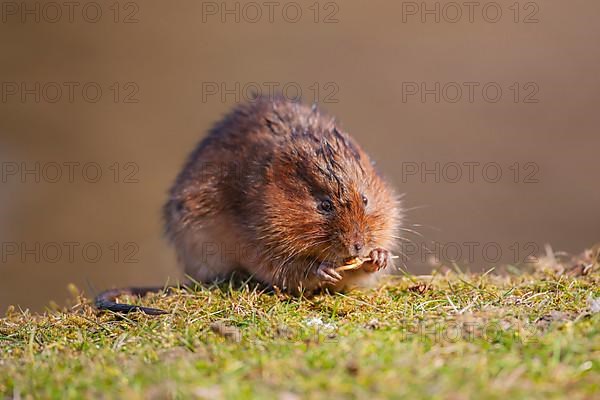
(326, 274)
(380, 259)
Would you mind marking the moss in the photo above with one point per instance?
(442, 336)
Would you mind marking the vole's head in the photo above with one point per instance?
(325, 199)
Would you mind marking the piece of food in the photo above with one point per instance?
(354, 263)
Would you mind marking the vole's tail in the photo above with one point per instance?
(106, 300)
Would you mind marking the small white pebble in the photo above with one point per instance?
(585, 366)
(318, 322)
(593, 304)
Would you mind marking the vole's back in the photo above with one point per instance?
(238, 149)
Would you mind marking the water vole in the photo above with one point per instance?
(279, 192)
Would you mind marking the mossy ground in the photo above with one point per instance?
(447, 335)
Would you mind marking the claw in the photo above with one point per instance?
(325, 272)
(380, 259)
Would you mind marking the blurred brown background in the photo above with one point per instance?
(157, 65)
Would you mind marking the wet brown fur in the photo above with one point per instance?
(248, 199)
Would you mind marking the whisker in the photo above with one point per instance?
(416, 208)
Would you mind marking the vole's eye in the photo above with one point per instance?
(326, 206)
(365, 200)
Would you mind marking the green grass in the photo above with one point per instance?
(455, 336)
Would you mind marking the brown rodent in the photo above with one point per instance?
(279, 192)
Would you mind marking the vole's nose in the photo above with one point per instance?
(355, 241)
